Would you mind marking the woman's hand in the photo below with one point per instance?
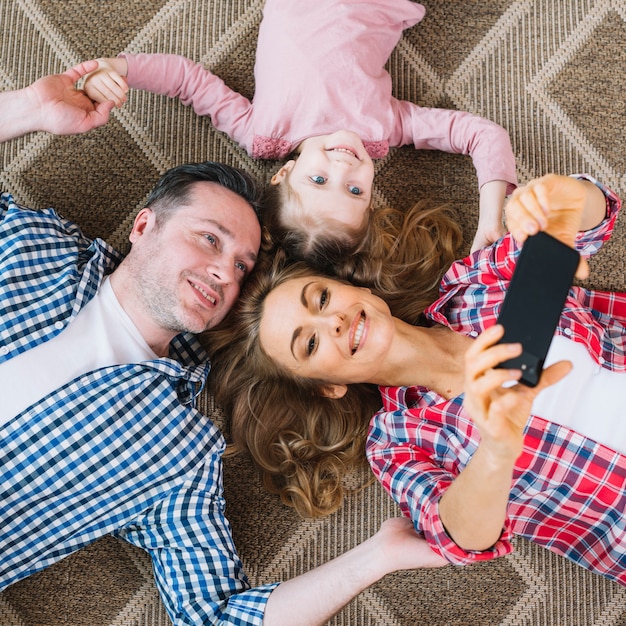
(500, 413)
(559, 205)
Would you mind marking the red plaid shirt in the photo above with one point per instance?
(568, 492)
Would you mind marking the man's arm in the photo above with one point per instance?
(313, 598)
(52, 104)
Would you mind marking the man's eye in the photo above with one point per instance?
(355, 190)
(318, 180)
(211, 239)
(242, 267)
(310, 345)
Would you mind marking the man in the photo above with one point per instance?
(99, 369)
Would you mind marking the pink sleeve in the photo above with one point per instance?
(178, 77)
(458, 132)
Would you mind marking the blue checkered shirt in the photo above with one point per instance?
(120, 450)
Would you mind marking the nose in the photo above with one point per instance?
(336, 323)
(222, 270)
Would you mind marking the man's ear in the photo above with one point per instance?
(333, 391)
(282, 173)
(144, 221)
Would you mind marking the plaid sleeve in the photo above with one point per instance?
(416, 460)
(588, 242)
(196, 567)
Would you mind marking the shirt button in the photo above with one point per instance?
(601, 360)
(473, 333)
(59, 325)
(568, 331)
(4, 350)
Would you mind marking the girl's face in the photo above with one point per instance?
(333, 177)
(323, 329)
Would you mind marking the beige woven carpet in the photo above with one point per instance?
(551, 71)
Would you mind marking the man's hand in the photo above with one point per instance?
(404, 548)
(58, 107)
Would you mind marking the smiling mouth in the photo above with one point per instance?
(358, 333)
(203, 293)
(346, 150)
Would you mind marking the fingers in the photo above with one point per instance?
(82, 69)
(582, 271)
(100, 115)
(483, 354)
(553, 374)
(527, 211)
(106, 85)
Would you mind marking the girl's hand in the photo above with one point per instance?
(106, 84)
(500, 413)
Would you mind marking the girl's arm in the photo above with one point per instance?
(179, 77)
(490, 218)
(460, 132)
(473, 509)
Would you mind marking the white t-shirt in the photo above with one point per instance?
(590, 400)
(101, 335)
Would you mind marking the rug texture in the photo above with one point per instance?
(552, 72)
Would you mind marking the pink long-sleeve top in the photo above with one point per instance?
(319, 69)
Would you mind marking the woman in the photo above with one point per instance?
(468, 484)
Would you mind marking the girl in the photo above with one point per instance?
(455, 448)
(323, 96)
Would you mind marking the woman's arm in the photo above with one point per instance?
(473, 509)
(52, 104)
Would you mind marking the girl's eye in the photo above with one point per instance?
(355, 190)
(318, 180)
(310, 345)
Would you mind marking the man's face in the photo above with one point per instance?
(189, 270)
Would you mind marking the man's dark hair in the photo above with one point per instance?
(173, 188)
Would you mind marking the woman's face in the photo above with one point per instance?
(323, 329)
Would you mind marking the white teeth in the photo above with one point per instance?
(350, 152)
(358, 334)
(204, 293)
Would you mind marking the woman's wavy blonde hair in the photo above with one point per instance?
(303, 442)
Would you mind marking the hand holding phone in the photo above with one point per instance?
(534, 301)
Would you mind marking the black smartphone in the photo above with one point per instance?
(534, 301)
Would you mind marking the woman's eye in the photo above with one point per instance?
(318, 180)
(323, 298)
(355, 190)
(310, 345)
